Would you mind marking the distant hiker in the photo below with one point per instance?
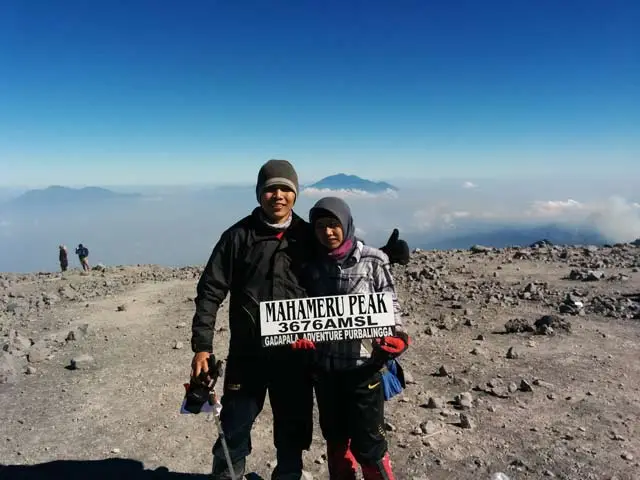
(349, 385)
(63, 257)
(83, 253)
(257, 259)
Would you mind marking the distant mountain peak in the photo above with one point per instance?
(343, 181)
(58, 194)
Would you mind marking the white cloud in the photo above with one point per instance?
(347, 193)
(437, 215)
(616, 219)
(553, 208)
(448, 218)
(468, 184)
(461, 214)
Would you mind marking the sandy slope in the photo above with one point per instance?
(579, 422)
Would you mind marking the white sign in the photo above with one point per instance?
(327, 319)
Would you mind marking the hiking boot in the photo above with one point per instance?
(304, 475)
(381, 470)
(220, 470)
(341, 462)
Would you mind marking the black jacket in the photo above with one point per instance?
(253, 264)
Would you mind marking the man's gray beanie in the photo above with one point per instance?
(277, 172)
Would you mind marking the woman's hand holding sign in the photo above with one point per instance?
(388, 348)
(303, 344)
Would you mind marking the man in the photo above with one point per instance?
(83, 253)
(63, 258)
(258, 259)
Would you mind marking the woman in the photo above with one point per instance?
(63, 257)
(348, 386)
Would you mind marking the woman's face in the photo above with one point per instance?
(329, 232)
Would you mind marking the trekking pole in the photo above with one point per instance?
(217, 408)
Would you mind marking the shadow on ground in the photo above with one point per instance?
(112, 468)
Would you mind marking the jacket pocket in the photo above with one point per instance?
(359, 283)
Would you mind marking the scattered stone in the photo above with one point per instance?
(586, 275)
(541, 383)
(512, 353)
(518, 325)
(443, 372)
(30, 370)
(550, 324)
(480, 249)
(494, 383)
(429, 427)
(82, 330)
(121, 308)
(572, 305)
(464, 400)
(177, 345)
(38, 352)
(525, 386)
(81, 362)
(499, 476)
(434, 402)
(17, 344)
(7, 369)
(466, 422)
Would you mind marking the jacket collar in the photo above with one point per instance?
(263, 229)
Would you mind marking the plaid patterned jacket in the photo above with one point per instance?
(366, 270)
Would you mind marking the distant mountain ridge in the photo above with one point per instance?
(342, 181)
(511, 236)
(56, 195)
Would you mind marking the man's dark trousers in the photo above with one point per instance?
(285, 375)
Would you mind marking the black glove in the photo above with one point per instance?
(200, 389)
(397, 250)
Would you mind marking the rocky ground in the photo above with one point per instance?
(525, 365)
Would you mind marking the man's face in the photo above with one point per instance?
(329, 232)
(277, 202)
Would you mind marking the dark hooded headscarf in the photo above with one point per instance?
(337, 208)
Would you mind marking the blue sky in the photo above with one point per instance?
(162, 92)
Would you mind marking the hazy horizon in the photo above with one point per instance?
(179, 226)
